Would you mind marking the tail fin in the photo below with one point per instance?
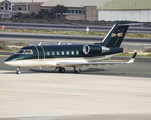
(116, 35)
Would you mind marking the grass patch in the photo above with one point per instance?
(4, 45)
(5, 48)
(148, 50)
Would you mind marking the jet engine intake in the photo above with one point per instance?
(93, 50)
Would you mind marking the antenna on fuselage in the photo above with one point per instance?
(39, 43)
(59, 43)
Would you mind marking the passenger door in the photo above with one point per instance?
(41, 52)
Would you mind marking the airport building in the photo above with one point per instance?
(106, 10)
(7, 8)
(130, 10)
(78, 10)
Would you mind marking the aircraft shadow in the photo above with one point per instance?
(91, 71)
(68, 71)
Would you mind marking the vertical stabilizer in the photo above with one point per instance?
(115, 36)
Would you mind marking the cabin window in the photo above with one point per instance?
(53, 53)
(72, 52)
(48, 53)
(67, 52)
(77, 52)
(57, 53)
(62, 53)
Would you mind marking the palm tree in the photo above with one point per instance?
(59, 9)
(63, 9)
(43, 14)
(56, 10)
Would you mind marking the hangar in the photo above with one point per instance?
(130, 10)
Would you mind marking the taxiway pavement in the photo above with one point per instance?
(36, 38)
(61, 27)
(54, 96)
(102, 92)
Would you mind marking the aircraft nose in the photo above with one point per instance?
(9, 61)
(5, 62)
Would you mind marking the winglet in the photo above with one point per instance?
(133, 58)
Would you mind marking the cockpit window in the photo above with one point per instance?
(28, 51)
(24, 51)
(20, 52)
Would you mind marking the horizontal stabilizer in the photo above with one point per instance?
(129, 24)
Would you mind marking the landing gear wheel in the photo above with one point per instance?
(79, 70)
(75, 71)
(18, 70)
(62, 70)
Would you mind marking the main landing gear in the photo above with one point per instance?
(18, 70)
(63, 70)
(76, 71)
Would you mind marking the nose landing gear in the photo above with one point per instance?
(18, 70)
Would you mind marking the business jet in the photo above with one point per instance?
(72, 55)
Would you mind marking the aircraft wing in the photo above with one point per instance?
(96, 63)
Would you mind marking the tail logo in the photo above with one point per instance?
(117, 35)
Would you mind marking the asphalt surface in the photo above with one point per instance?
(35, 38)
(140, 68)
(55, 96)
(87, 117)
(37, 26)
(33, 96)
(65, 37)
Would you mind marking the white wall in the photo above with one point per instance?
(130, 15)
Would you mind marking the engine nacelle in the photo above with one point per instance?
(94, 50)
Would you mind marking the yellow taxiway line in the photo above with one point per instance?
(4, 55)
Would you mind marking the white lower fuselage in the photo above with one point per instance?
(52, 62)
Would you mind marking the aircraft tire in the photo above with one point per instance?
(18, 70)
(62, 70)
(77, 71)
